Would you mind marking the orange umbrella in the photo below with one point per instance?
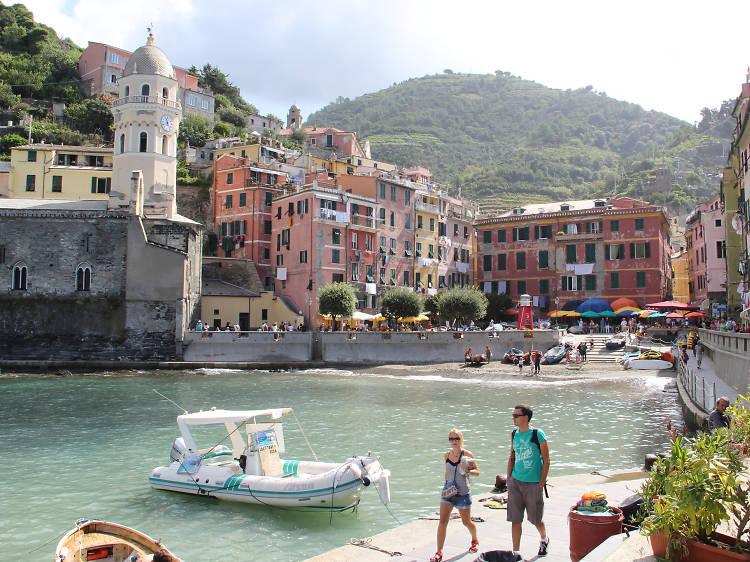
(617, 304)
(694, 315)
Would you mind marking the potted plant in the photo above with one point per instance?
(739, 430)
(693, 491)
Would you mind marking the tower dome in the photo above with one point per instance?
(149, 59)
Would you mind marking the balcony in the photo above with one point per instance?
(426, 207)
(340, 217)
(363, 220)
(581, 236)
(147, 99)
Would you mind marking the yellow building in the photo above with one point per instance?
(427, 212)
(46, 171)
(223, 303)
(680, 276)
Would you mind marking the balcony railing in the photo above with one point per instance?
(147, 99)
(335, 216)
(426, 207)
(363, 220)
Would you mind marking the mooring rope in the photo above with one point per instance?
(305, 436)
(367, 543)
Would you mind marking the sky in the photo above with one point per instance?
(675, 57)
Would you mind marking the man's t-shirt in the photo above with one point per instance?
(528, 466)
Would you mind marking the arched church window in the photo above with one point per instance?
(144, 142)
(20, 274)
(122, 144)
(164, 144)
(83, 277)
(145, 90)
(127, 91)
(165, 93)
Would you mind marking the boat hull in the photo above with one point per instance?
(338, 488)
(654, 364)
(91, 537)
(554, 355)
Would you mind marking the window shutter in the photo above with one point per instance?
(632, 250)
(601, 226)
(278, 213)
(588, 228)
(607, 252)
(621, 254)
(244, 227)
(93, 185)
(109, 184)
(579, 282)
(648, 249)
(515, 234)
(536, 232)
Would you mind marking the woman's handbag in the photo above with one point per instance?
(449, 490)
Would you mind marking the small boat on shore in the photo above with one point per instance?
(91, 539)
(252, 471)
(648, 359)
(554, 354)
(512, 354)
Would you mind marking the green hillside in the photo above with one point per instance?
(505, 140)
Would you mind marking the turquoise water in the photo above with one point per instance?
(83, 446)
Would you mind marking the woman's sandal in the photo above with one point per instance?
(438, 557)
(474, 545)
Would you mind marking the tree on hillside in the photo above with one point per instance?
(232, 116)
(400, 303)
(214, 79)
(194, 130)
(222, 129)
(337, 299)
(90, 116)
(9, 141)
(463, 303)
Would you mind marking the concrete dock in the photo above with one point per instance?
(416, 539)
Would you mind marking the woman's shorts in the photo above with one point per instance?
(458, 501)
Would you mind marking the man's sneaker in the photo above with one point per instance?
(543, 546)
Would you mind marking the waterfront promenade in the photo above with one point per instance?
(416, 539)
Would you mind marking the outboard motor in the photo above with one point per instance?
(179, 450)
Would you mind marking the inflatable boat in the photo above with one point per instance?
(648, 359)
(616, 342)
(511, 355)
(252, 471)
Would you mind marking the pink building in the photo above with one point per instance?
(321, 235)
(707, 250)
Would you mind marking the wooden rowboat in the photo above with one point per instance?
(110, 542)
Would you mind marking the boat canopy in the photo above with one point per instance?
(232, 420)
(214, 416)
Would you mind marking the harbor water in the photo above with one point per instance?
(82, 446)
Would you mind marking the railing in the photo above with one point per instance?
(732, 342)
(702, 394)
(426, 207)
(147, 99)
(363, 220)
(335, 216)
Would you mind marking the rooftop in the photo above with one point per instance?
(66, 147)
(219, 288)
(54, 204)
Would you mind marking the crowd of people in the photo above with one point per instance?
(200, 326)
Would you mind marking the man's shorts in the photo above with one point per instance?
(458, 501)
(528, 496)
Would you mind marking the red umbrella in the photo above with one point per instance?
(672, 304)
(694, 315)
(674, 315)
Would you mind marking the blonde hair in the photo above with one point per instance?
(458, 432)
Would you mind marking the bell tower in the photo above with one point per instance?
(294, 117)
(146, 117)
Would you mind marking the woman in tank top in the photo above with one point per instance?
(459, 463)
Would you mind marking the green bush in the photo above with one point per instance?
(337, 299)
(400, 303)
(463, 303)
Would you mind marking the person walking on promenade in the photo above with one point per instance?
(528, 466)
(717, 418)
(698, 349)
(537, 362)
(459, 463)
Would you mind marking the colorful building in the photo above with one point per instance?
(680, 276)
(47, 171)
(741, 221)
(707, 250)
(558, 252)
(730, 196)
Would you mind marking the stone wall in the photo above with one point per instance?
(730, 353)
(357, 347)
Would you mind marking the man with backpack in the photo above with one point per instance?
(528, 467)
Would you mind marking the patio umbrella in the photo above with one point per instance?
(617, 304)
(572, 305)
(608, 314)
(694, 315)
(590, 314)
(657, 315)
(674, 315)
(647, 313)
(358, 315)
(593, 305)
(635, 311)
(571, 313)
(420, 318)
(553, 313)
(672, 304)
(624, 313)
